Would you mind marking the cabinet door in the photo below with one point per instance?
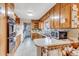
(65, 16)
(51, 18)
(51, 23)
(41, 24)
(56, 16)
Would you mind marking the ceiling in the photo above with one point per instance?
(32, 10)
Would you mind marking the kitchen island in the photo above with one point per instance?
(44, 45)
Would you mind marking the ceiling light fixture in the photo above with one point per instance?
(30, 12)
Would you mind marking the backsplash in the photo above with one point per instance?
(70, 33)
(73, 33)
(55, 33)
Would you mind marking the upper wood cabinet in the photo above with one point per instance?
(62, 15)
(35, 24)
(56, 16)
(41, 25)
(51, 18)
(65, 16)
(51, 23)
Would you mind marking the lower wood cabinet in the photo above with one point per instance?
(37, 36)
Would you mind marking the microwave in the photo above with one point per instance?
(62, 34)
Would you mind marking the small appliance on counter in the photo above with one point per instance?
(62, 34)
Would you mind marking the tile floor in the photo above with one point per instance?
(26, 48)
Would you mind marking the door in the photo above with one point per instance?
(27, 30)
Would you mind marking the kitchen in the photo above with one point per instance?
(53, 33)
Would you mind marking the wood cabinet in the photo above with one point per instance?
(51, 18)
(56, 16)
(35, 24)
(61, 16)
(51, 23)
(65, 16)
(41, 25)
(37, 36)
